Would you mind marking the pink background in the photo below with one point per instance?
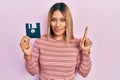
(101, 16)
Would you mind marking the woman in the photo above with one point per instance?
(58, 55)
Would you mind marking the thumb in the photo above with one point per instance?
(30, 46)
(80, 40)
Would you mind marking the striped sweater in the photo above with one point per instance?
(57, 60)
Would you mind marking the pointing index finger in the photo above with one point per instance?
(86, 32)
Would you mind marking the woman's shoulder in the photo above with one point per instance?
(43, 37)
(76, 40)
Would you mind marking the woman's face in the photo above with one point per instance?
(58, 23)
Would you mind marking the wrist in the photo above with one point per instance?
(27, 57)
(86, 51)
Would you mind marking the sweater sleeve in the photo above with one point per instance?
(83, 64)
(32, 65)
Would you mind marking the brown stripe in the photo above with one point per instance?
(54, 60)
(58, 70)
(59, 55)
(57, 75)
(65, 66)
(65, 51)
(54, 45)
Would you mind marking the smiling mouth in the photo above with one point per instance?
(58, 30)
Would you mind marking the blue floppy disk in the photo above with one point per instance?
(33, 30)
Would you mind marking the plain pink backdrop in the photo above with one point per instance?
(101, 16)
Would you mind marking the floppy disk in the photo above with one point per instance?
(33, 30)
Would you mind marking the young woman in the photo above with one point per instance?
(57, 55)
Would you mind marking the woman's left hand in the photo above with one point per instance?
(85, 42)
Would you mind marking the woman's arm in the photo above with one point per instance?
(32, 63)
(84, 64)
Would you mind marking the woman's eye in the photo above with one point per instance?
(62, 20)
(53, 20)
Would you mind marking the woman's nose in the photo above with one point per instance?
(58, 23)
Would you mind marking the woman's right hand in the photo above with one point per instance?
(26, 46)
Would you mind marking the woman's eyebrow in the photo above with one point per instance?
(62, 17)
(58, 18)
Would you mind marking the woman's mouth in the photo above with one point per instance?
(58, 30)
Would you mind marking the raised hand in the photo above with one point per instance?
(26, 46)
(85, 42)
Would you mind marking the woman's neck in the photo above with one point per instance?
(61, 37)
